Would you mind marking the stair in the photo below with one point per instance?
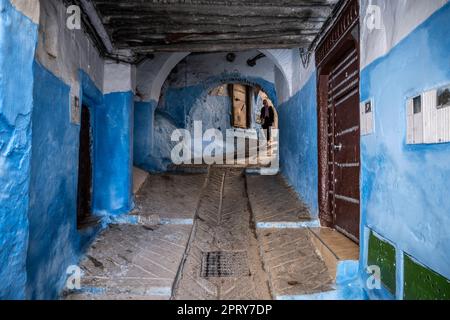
(333, 247)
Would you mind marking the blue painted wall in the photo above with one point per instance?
(405, 187)
(113, 169)
(54, 242)
(113, 144)
(298, 143)
(16, 103)
(144, 118)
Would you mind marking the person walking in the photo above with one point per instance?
(267, 119)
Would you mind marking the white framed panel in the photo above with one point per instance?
(428, 117)
(367, 116)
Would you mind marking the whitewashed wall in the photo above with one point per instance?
(64, 52)
(151, 74)
(397, 19)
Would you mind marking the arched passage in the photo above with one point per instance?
(177, 111)
(150, 82)
(172, 106)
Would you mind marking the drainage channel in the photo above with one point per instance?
(222, 260)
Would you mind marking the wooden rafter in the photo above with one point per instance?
(212, 25)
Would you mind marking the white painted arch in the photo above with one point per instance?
(152, 74)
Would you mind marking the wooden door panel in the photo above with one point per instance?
(239, 106)
(347, 155)
(347, 75)
(348, 148)
(345, 173)
(346, 219)
(346, 117)
(349, 138)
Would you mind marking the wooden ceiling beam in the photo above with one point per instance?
(194, 37)
(145, 10)
(211, 47)
(217, 3)
(212, 25)
(183, 22)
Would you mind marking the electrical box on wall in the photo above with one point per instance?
(367, 117)
(428, 117)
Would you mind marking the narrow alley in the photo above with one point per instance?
(224, 150)
(197, 237)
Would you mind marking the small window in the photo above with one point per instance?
(443, 98)
(417, 101)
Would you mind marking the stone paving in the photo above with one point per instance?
(273, 201)
(133, 262)
(224, 224)
(220, 255)
(141, 261)
(171, 197)
(293, 266)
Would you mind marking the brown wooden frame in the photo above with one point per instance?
(341, 36)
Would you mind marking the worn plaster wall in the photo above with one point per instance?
(152, 73)
(67, 65)
(298, 142)
(119, 77)
(63, 51)
(16, 104)
(394, 20)
(28, 8)
(114, 149)
(212, 110)
(404, 187)
(54, 241)
(298, 133)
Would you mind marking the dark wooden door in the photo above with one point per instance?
(344, 143)
(84, 198)
(337, 60)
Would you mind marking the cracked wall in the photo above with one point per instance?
(48, 65)
(16, 61)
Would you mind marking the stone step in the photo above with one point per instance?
(333, 247)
